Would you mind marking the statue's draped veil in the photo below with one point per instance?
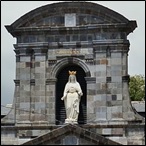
(70, 77)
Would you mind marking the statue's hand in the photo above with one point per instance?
(80, 93)
(62, 98)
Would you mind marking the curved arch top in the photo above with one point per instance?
(70, 60)
(69, 7)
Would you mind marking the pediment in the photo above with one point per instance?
(70, 135)
(87, 13)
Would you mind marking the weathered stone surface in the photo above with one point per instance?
(24, 58)
(116, 55)
(90, 106)
(121, 140)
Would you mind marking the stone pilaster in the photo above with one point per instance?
(50, 100)
(39, 90)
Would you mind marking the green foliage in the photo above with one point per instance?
(137, 87)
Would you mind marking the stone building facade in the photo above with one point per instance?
(81, 36)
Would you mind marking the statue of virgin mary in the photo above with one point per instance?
(71, 96)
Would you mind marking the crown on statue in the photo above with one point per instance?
(72, 72)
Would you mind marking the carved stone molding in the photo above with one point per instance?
(51, 62)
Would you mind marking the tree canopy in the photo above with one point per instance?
(137, 87)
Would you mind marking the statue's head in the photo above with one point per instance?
(72, 76)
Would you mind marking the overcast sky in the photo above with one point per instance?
(12, 10)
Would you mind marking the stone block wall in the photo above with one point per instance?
(30, 85)
(17, 137)
(105, 65)
(126, 134)
(108, 98)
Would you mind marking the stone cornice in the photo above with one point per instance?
(84, 44)
(96, 28)
(30, 45)
(36, 127)
(110, 42)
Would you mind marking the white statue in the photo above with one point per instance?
(72, 95)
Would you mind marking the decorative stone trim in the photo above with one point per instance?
(51, 62)
(68, 60)
(89, 61)
(17, 82)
